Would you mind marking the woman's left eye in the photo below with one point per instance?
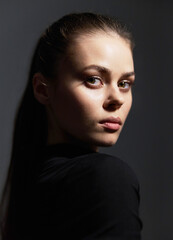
(94, 81)
(124, 84)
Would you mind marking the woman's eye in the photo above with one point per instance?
(124, 84)
(94, 81)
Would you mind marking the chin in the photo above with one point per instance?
(107, 144)
(106, 141)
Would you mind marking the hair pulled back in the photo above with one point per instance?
(30, 127)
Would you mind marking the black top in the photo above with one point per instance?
(74, 193)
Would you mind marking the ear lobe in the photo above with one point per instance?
(40, 88)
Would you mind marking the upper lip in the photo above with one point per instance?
(112, 120)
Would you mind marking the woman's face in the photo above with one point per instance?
(92, 95)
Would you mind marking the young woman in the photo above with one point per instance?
(77, 99)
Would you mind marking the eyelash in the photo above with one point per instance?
(87, 81)
(100, 84)
(125, 82)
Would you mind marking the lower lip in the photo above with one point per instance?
(111, 125)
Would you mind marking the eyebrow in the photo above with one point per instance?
(105, 70)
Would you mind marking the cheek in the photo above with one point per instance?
(79, 104)
(127, 105)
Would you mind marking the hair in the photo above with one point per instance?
(30, 128)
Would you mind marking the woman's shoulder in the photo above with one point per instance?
(99, 191)
(98, 165)
(105, 166)
(106, 187)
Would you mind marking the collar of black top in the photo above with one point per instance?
(64, 150)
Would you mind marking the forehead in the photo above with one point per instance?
(105, 49)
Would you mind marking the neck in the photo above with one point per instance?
(56, 137)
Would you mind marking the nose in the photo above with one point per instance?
(114, 98)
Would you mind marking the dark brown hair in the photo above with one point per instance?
(30, 127)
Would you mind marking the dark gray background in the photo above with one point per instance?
(145, 142)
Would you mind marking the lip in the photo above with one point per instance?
(111, 123)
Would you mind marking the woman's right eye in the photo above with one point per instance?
(94, 81)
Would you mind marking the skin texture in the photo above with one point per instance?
(93, 83)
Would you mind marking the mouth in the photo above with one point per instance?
(111, 123)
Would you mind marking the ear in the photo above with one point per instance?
(40, 88)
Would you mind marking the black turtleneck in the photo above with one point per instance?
(72, 192)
